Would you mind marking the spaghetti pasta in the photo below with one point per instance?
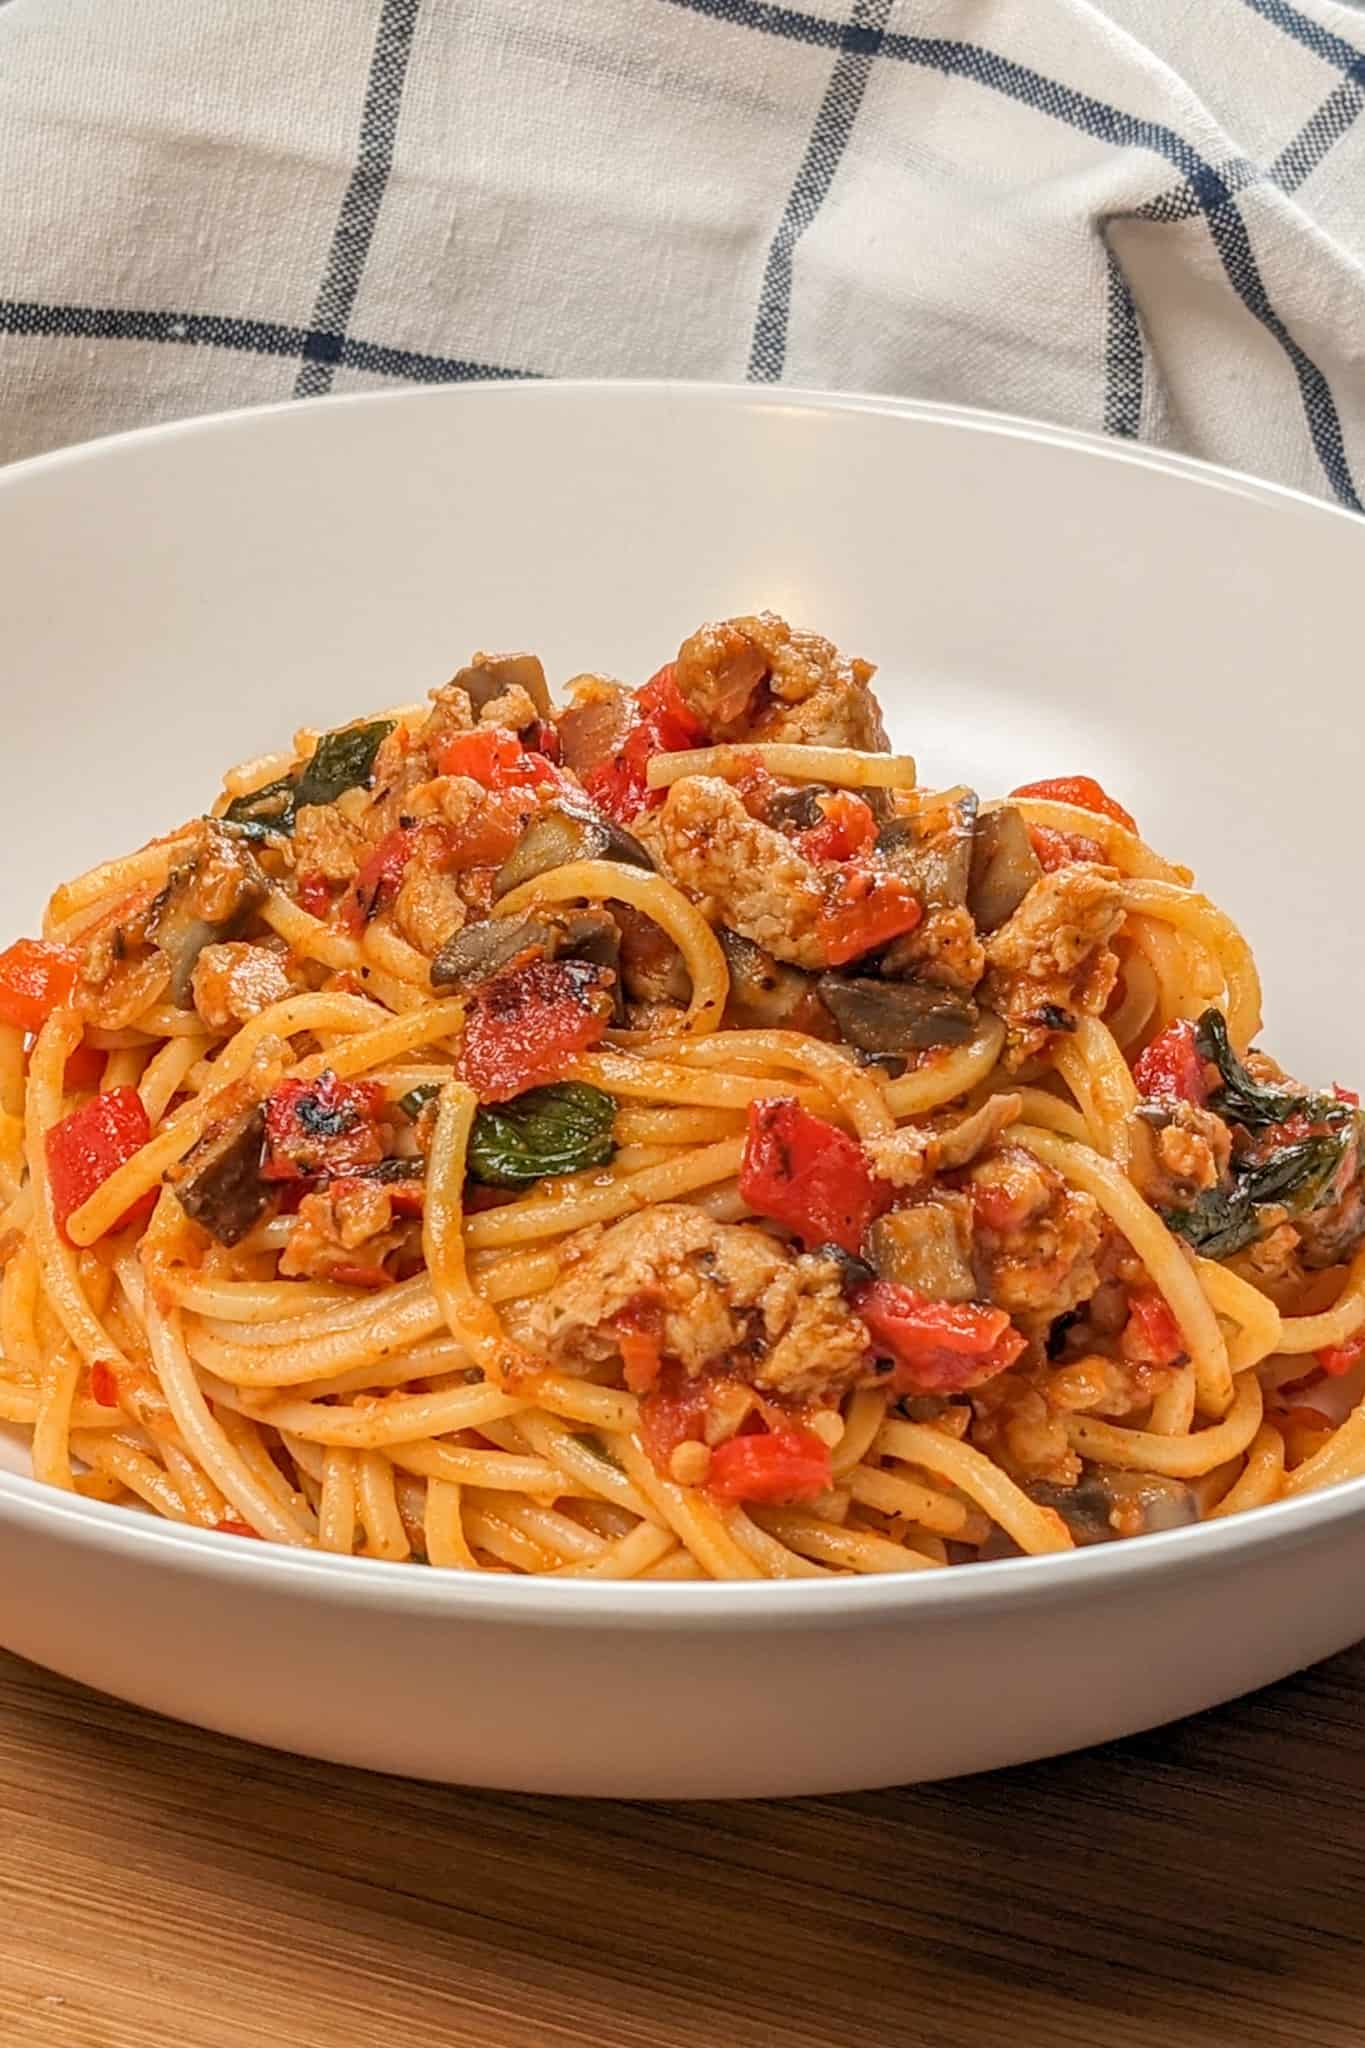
(657, 1139)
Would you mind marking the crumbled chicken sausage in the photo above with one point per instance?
(761, 679)
(1051, 962)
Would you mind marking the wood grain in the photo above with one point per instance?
(1202, 1887)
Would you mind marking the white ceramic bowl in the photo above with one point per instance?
(1039, 603)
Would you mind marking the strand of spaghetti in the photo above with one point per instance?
(133, 1469)
(245, 1438)
(1035, 1529)
(1192, 913)
(1173, 1457)
(557, 1533)
(150, 864)
(1335, 1325)
(18, 1300)
(1129, 1021)
(626, 1074)
(891, 1493)
(1172, 1412)
(1036, 1106)
(855, 1090)
(468, 1315)
(276, 1302)
(490, 1532)
(693, 1519)
(840, 767)
(11, 1070)
(597, 881)
(57, 1262)
(351, 1311)
(443, 1528)
(291, 1365)
(774, 1558)
(1260, 1330)
(1097, 1074)
(393, 1419)
(336, 1510)
(308, 936)
(864, 1416)
(204, 1505)
(1341, 1457)
(428, 1025)
(396, 957)
(603, 1408)
(51, 1447)
(20, 1404)
(164, 1074)
(124, 1068)
(203, 1436)
(674, 1126)
(377, 1505)
(946, 1075)
(1261, 1477)
(679, 1565)
(498, 1471)
(551, 1440)
(1122, 849)
(848, 1550)
(628, 1556)
(1159, 947)
(1171, 1274)
(100, 1486)
(552, 1215)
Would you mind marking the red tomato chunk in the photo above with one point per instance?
(321, 1128)
(90, 1144)
(524, 1027)
(1081, 790)
(35, 980)
(663, 724)
(1170, 1069)
(787, 1466)
(936, 1347)
(805, 1173)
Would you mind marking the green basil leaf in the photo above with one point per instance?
(1241, 1100)
(341, 761)
(560, 1129)
(266, 813)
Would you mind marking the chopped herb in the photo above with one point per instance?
(1292, 1181)
(415, 1101)
(559, 1129)
(340, 761)
(1242, 1100)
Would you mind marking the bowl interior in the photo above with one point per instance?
(1037, 604)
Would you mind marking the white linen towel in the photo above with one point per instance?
(1145, 217)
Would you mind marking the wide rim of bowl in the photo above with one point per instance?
(649, 1604)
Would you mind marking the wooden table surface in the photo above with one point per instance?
(1203, 1886)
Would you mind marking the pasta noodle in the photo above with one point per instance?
(658, 1140)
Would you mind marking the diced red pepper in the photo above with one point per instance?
(1059, 849)
(319, 1129)
(846, 829)
(497, 759)
(35, 979)
(663, 724)
(84, 1070)
(1346, 1095)
(937, 1347)
(871, 907)
(90, 1144)
(104, 1384)
(489, 833)
(809, 1175)
(379, 879)
(1337, 1359)
(1170, 1069)
(1081, 790)
(673, 1411)
(524, 1027)
(782, 1467)
(1151, 1335)
(313, 893)
(229, 1526)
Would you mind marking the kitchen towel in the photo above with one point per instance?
(1142, 217)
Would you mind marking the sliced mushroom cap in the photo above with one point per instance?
(595, 723)
(927, 1246)
(896, 1017)
(1106, 1505)
(219, 1184)
(933, 849)
(563, 834)
(594, 936)
(1004, 868)
(768, 995)
(480, 951)
(490, 676)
